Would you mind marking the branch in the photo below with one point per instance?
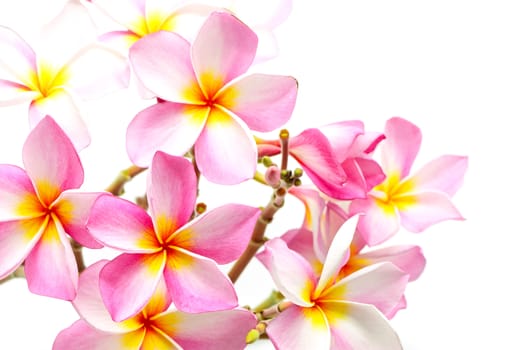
(117, 186)
(257, 237)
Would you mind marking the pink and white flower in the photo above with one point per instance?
(332, 314)
(208, 103)
(52, 87)
(38, 209)
(414, 201)
(155, 327)
(166, 247)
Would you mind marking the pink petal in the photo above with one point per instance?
(371, 172)
(122, 225)
(128, 282)
(291, 273)
(12, 93)
(163, 65)
(299, 328)
(169, 127)
(301, 241)
(224, 49)
(18, 197)
(379, 222)
(196, 284)
(112, 71)
(89, 303)
(267, 147)
(342, 136)
(313, 207)
(202, 332)
(355, 185)
(225, 152)
(333, 218)
(425, 209)
(51, 161)
(221, 234)
(444, 174)
(337, 255)
(366, 143)
(263, 102)
(51, 269)
(81, 336)
(171, 193)
(17, 239)
(18, 61)
(363, 327)
(400, 306)
(61, 106)
(313, 151)
(73, 210)
(408, 258)
(381, 285)
(400, 147)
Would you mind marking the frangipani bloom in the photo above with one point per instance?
(37, 210)
(208, 104)
(166, 247)
(155, 327)
(326, 314)
(51, 87)
(416, 202)
(322, 221)
(335, 158)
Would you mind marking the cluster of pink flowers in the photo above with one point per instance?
(166, 290)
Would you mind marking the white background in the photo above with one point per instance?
(456, 68)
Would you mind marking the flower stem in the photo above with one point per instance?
(77, 252)
(257, 237)
(274, 297)
(284, 136)
(117, 186)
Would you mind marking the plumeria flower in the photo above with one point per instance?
(326, 314)
(208, 104)
(165, 246)
(414, 201)
(54, 88)
(155, 327)
(38, 209)
(335, 157)
(322, 221)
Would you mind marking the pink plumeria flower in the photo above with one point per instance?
(155, 327)
(54, 88)
(322, 221)
(326, 314)
(165, 246)
(414, 201)
(38, 210)
(208, 104)
(335, 157)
